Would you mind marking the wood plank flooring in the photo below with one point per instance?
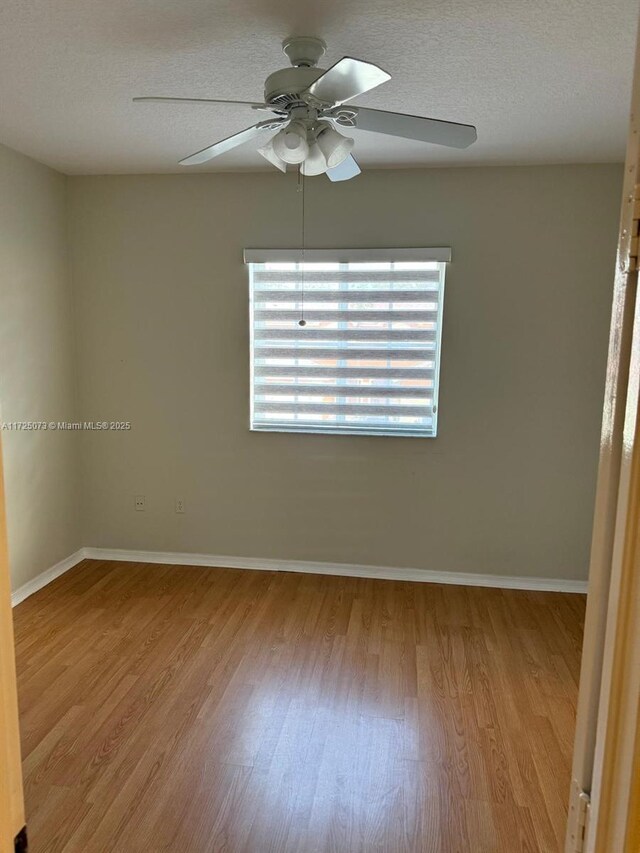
(169, 708)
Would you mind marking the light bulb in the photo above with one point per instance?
(333, 145)
(269, 154)
(315, 164)
(290, 144)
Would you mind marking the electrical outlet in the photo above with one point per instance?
(179, 504)
(140, 503)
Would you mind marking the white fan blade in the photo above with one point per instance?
(230, 142)
(345, 171)
(155, 99)
(423, 129)
(347, 79)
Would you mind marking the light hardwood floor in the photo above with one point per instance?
(191, 710)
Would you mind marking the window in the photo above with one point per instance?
(368, 358)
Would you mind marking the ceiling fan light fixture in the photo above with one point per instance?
(307, 102)
(290, 144)
(269, 154)
(315, 164)
(334, 146)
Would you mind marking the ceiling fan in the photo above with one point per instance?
(308, 102)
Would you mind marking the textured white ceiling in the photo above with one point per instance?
(543, 80)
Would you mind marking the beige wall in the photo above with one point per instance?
(508, 485)
(36, 366)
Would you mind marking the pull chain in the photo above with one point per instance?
(301, 184)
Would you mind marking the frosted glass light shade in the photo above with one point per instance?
(290, 144)
(334, 146)
(315, 164)
(269, 154)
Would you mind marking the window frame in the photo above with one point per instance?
(441, 256)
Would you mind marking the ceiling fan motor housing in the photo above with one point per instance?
(283, 88)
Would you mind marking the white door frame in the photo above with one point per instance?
(608, 706)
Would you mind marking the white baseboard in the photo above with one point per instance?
(46, 577)
(344, 569)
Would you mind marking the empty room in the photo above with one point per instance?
(319, 381)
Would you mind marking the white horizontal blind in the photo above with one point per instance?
(367, 360)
